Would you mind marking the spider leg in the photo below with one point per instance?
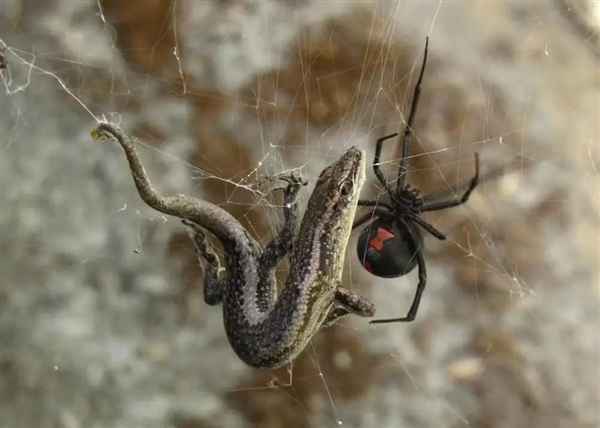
(376, 168)
(414, 307)
(375, 204)
(456, 202)
(368, 216)
(429, 228)
(363, 219)
(411, 118)
(448, 192)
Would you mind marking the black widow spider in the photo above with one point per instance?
(391, 246)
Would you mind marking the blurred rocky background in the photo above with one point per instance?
(102, 320)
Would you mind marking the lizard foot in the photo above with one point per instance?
(289, 179)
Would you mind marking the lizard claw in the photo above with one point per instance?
(292, 178)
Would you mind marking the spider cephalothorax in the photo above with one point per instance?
(392, 244)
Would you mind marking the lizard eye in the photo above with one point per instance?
(346, 188)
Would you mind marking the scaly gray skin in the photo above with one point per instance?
(264, 330)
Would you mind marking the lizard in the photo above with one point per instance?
(267, 331)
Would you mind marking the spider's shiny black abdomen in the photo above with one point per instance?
(383, 250)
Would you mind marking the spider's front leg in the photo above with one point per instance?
(213, 284)
(348, 302)
(282, 242)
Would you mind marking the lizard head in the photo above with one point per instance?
(332, 206)
(338, 186)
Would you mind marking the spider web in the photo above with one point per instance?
(103, 322)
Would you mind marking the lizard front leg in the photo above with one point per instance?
(282, 242)
(213, 285)
(273, 253)
(348, 302)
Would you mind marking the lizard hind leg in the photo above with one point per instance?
(348, 302)
(213, 285)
